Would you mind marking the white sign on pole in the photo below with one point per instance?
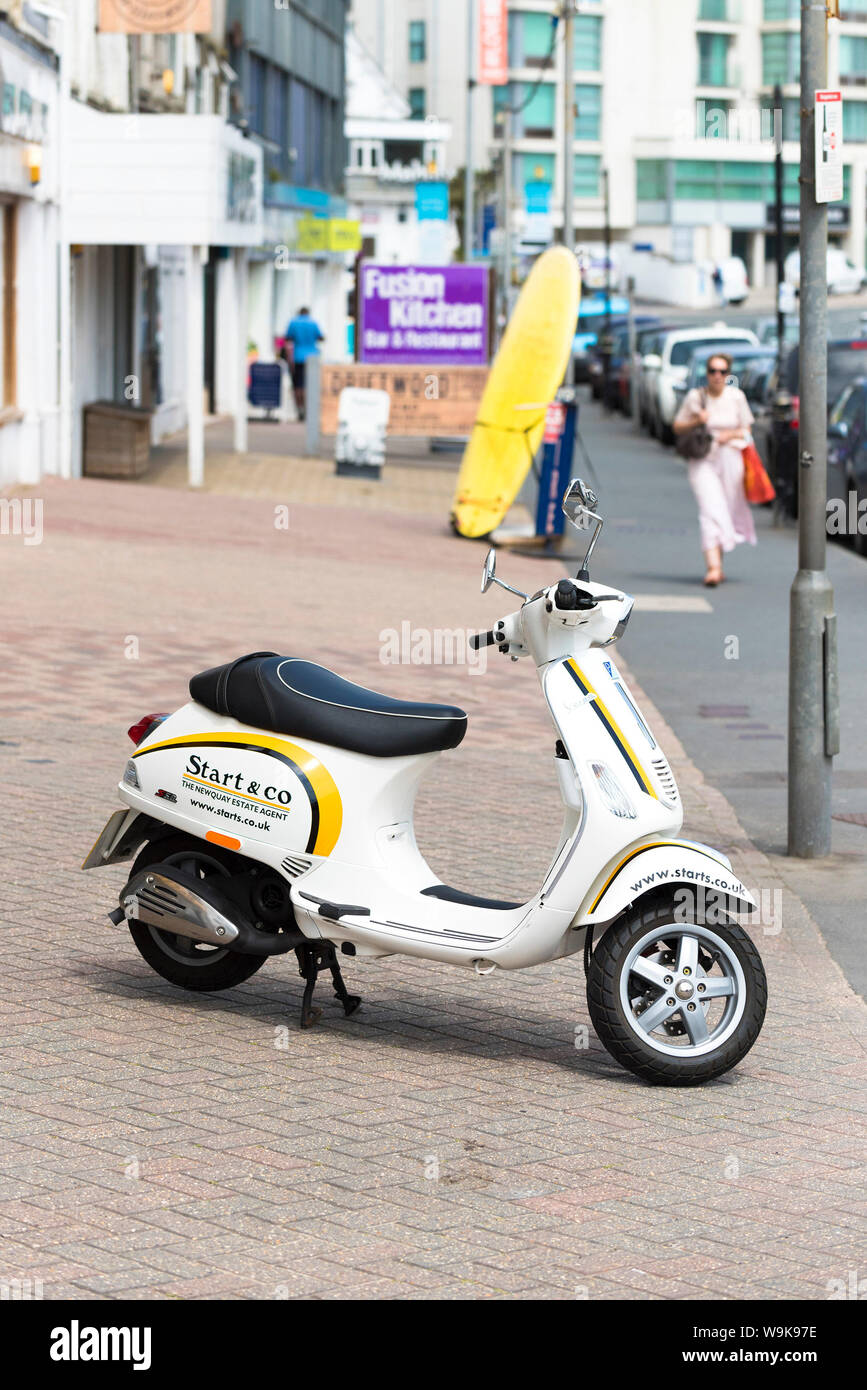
(829, 147)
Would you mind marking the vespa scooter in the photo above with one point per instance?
(274, 813)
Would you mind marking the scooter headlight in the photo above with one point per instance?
(613, 795)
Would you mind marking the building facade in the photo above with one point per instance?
(29, 173)
(672, 97)
(290, 102)
(392, 153)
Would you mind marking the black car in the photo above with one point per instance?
(847, 465)
(777, 427)
(619, 352)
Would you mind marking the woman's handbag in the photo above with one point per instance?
(695, 444)
(757, 485)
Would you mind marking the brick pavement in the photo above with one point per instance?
(450, 1140)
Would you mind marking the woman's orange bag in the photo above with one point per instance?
(757, 485)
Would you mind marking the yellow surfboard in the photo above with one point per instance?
(526, 372)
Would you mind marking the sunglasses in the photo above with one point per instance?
(717, 371)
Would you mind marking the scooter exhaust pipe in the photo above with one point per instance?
(165, 897)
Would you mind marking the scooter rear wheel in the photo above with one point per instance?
(677, 1002)
(190, 964)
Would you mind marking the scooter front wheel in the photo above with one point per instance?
(674, 1001)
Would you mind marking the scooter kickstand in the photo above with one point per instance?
(311, 960)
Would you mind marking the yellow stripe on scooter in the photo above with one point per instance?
(631, 755)
(654, 844)
(328, 802)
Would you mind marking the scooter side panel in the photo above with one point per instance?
(273, 794)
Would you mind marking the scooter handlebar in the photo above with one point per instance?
(483, 639)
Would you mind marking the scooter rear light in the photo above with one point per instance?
(139, 732)
(795, 417)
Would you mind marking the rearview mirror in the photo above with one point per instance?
(839, 431)
(579, 502)
(490, 570)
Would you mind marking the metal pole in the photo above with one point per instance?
(569, 124)
(569, 145)
(778, 220)
(507, 206)
(812, 704)
(469, 179)
(606, 347)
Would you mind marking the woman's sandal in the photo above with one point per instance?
(712, 578)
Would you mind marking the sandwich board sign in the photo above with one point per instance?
(829, 147)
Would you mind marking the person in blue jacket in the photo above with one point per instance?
(305, 335)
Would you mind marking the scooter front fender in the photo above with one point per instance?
(665, 863)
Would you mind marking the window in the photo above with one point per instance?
(276, 94)
(417, 41)
(299, 126)
(651, 180)
(745, 182)
(853, 59)
(417, 103)
(588, 105)
(695, 179)
(532, 168)
(588, 43)
(782, 9)
(713, 9)
(781, 58)
(713, 60)
(712, 119)
(853, 9)
(258, 75)
(536, 119)
(855, 121)
(531, 37)
(587, 176)
(502, 97)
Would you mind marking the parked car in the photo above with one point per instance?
(590, 320)
(619, 354)
(751, 367)
(735, 282)
(649, 342)
(669, 366)
(777, 439)
(766, 330)
(843, 275)
(847, 462)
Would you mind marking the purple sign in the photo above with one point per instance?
(435, 314)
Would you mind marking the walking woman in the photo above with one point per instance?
(717, 479)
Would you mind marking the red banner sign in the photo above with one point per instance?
(493, 43)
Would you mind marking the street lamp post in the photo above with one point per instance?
(812, 654)
(469, 210)
(569, 124)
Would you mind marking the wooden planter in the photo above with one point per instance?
(117, 440)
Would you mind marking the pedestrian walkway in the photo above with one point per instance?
(455, 1139)
(414, 479)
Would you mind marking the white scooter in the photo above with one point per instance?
(275, 813)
